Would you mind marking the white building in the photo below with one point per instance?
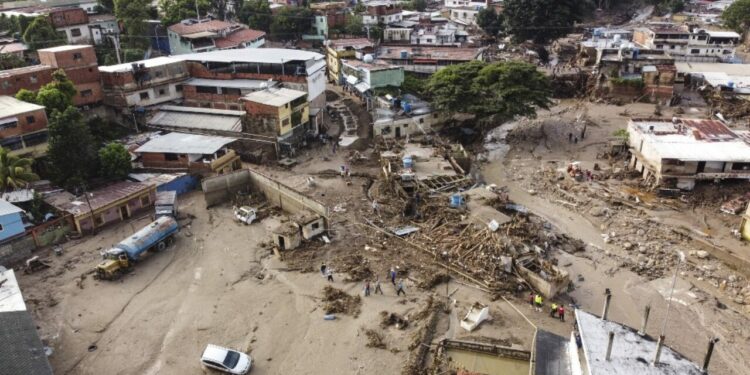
(409, 116)
(689, 45)
(681, 151)
(464, 15)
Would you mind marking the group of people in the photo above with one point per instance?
(327, 272)
(556, 311)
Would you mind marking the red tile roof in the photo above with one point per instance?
(238, 37)
(213, 25)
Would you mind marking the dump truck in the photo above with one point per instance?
(155, 236)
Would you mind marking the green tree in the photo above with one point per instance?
(54, 96)
(354, 26)
(15, 172)
(133, 14)
(290, 23)
(256, 14)
(737, 16)
(178, 10)
(503, 89)
(7, 24)
(542, 20)
(107, 4)
(71, 148)
(490, 21)
(114, 159)
(27, 96)
(40, 34)
(676, 6)
(10, 61)
(418, 5)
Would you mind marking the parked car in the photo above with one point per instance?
(226, 360)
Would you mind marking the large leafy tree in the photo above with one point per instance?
(737, 16)
(10, 61)
(178, 10)
(41, 34)
(503, 89)
(291, 22)
(490, 21)
(542, 20)
(114, 160)
(134, 14)
(54, 96)
(256, 14)
(15, 172)
(71, 148)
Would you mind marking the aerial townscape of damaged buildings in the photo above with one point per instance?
(212, 92)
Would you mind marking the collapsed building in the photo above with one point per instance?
(679, 152)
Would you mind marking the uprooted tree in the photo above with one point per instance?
(501, 90)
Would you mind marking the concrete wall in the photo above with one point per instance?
(285, 197)
(16, 251)
(219, 189)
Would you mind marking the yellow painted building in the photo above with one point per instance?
(338, 49)
(278, 110)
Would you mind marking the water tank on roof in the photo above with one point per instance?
(598, 31)
(617, 37)
(730, 84)
(407, 107)
(368, 58)
(404, 54)
(408, 162)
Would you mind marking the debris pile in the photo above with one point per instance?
(356, 266)
(392, 319)
(374, 339)
(336, 301)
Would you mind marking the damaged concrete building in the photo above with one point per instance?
(679, 152)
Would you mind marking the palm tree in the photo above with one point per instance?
(15, 172)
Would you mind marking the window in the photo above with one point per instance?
(285, 122)
(35, 139)
(672, 46)
(178, 88)
(30, 119)
(659, 46)
(234, 107)
(6, 84)
(86, 93)
(158, 74)
(206, 90)
(9, 125)
(695, 51)
(162, 92)
(75, 33)
(171, 157)
(99, 220)
(145, 200)
(33, 79)
(315, 225)
(12, 143)
(144, 95)
(421, 121)
(727, 52)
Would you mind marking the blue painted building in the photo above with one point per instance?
(11, 222)
(179, 182)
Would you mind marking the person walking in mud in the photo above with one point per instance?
(367, 288)
(329, 275)
(400, 288)
(561, 313)
(377, 287)
(553, 310)
(393, 276)
(538, 303)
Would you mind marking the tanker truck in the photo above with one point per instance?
(155, 236)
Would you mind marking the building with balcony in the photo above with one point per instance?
(220, 93)
(192, 153)
(191, 36)
(689, 44)
(143, 83)
(338, 49)
(80, 65)
(382, 12)
(427, 60)
(293, 69)
(679, 152)
(428, 34)
(23, 127)
(283, 113)
(73, 23)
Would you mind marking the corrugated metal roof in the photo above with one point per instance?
(10, 106)
(181, 143)
(99, 198)
(168, 117)
(274, 97)
(253, 55)
(250, 84)
(7, 208)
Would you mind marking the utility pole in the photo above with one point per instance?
(197, 11)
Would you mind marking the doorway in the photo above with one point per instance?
(398, 132)
(124, 212)
(701, 166)
(281, 243)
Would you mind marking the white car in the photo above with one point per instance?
(227, 360)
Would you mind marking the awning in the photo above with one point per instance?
(362, 87)
(8, 120)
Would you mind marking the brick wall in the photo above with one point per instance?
(258, 109)
(158, 160)
(30, 79)
(199, 71)
(217, 101)
(84, 56)
(68, 17)
(25, 126)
